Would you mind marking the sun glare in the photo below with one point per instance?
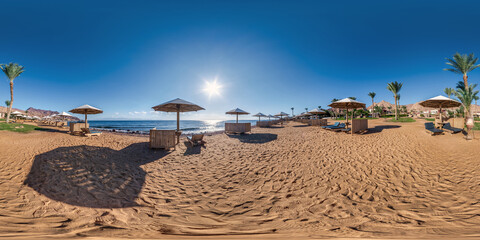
(212, 88)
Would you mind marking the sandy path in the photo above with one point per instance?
(395, 181)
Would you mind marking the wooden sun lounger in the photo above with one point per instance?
(340, 126)
(329, 126)
(196, 139)
(447, 127)
(430, 128)
(87, 133)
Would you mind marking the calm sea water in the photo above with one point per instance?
(186, 126)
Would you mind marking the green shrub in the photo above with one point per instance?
(404, 119)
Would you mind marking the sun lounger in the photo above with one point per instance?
(447, 127)
(87, 133)
(340, 126)
(334, 125)
(196, 139)
(430, 128)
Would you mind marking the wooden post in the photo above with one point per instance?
(237, 117)
(178, 123)
(85, 118)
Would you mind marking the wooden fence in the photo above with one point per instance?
(238, 127)
(162, 138)
(77, 127)
(359, 125)
(457, 122)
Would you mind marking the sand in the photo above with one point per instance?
(277, 183)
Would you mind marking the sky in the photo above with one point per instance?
(268, 56)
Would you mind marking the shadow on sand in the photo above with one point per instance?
(254, 137)
(301, 126)
(51, 130)
(380, 128)
(192, 150)
(88, 176)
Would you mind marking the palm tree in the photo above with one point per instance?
(292, 111)
(353, 98)
(7, 103)
(306, 110)
(462, 64)
(449, 92)
(12, 71)
(395, 87)
(372, 95)
(466, 96)
(476, 98)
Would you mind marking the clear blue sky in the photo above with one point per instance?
(269, 56)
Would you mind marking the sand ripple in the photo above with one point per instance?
(395, 181)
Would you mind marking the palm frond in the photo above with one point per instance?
(12, 70)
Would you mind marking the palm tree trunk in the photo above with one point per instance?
(468, 113)
(11, 102)
(373, 107)
(396, 116)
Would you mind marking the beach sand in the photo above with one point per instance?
(284, 182)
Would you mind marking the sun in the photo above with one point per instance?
(212, 88)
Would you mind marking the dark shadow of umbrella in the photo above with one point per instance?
(301, 126)
(192, 150)
(90, 176)
(255, 137)
(380, 128)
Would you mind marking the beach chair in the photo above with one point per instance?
(430, 128)
(87, 133)
(196, 139)
(447, 127)
(334, 125)
(340, 126)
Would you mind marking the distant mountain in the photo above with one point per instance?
(37, 112)
(40, 113)
(4, 110)
(383, 104)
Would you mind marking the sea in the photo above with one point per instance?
(144, 126)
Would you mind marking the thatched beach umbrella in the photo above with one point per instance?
(281, 115)
(316, 111)
(86, 109)
(63, 115)
(440, 102)
(347, 103)
(270, 116)
(259, 115)
(16, 114)
(237, 111)
(178, 105)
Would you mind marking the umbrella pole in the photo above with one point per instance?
(86, 123)
(237, 117)
(346, 117)
(441, 117)
(178, 124)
